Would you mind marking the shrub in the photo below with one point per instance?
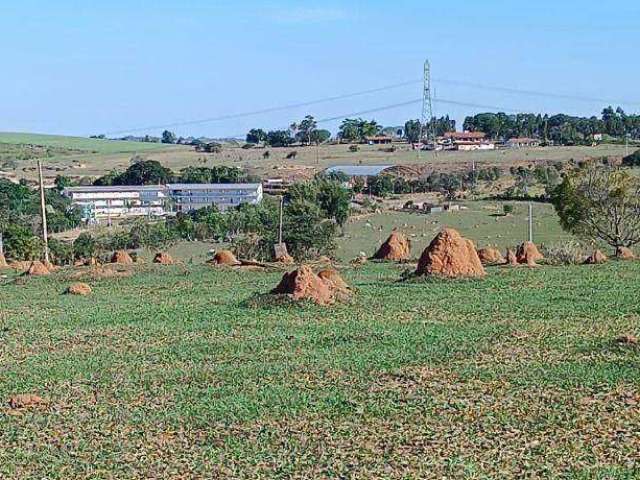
(507, 209)
(61, 253)
(354, 148)
(21, 244)
(570, 253)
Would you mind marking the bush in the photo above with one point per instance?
(507, 209)
(21, 244)
(85, 246)
(570, 253)
(61, 253)
(354, 148)
(632, 160)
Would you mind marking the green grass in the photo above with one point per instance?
(170, 374)
(482, 221)
(90, 145)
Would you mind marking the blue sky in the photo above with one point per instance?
(75, 67)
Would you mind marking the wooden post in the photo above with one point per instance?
(43, 210)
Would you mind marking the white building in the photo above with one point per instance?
(118, 201)
(192, 196)
(136, 201)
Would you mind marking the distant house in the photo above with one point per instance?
(378, 140)
(523, 142)
(466, 141)
(597, 137)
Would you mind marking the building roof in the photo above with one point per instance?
(114, 188)
(523, 140)
(358, 170)
(454, 135)
(214, 186)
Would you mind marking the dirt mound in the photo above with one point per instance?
(511, 258)
(285, 259)
(20, 266)
(625, 253)
(38, 269)
(528, 253)
(450, 255)
(597, 257)
(304, 284)
(79, 288)
(25, 401)
(225, 257)
(395, 248)
(490, 256)
(121, 257)
(163, 258)
(3, 261)
(335, 281)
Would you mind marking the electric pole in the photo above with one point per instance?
(43, 211)
(427, 107)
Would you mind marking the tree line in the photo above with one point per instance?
(561, 128)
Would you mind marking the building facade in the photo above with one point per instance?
(118, 201)
(192, 196)
(113, 202)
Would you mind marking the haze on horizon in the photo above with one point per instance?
(78, 69)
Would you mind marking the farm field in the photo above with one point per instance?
(101, 156)
(172, 373)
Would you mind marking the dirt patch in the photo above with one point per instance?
(490, 256)
(20, 266)
(450, 255)
(38, 269)
(79, 288)
(26, 401)
(596, 258)
(625, 253)
(101, 272)
(122, 257)
(224, 257)
(303, 284)
(529, 254)
(3, 261)
(163, 258)
(396, 248)
(627, 340)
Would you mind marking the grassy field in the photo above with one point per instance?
(101, 156)
(170, 373)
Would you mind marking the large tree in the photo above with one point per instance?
(600, 203)
(168, 137)
(256, 135)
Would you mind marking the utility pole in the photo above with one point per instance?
(43, 210)
(531, 222)
(281, 215)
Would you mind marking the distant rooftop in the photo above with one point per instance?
(114, 188)
(213, 186)
(358, 170)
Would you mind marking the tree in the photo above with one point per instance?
(61, 182)
(146, 172)
(356, 130)
(601, 203)
(632, 160)
(412, 131)
(305, 129)
(279, 138)
(320, 136)
(256, 135)
(168, 137)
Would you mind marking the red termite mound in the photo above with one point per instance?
(528, 253)
(163, 258)
(304, 284)
(596, 258)
(225, 257)
(490, 256)
(396, 248)
(121, 257)
(450, 255)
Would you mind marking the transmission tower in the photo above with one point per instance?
(427, 108)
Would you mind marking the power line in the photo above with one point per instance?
(267, 110)
(535, 93)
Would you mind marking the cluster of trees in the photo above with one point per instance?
(357, 129)
(414, 130)
(561, 128)
(20, 221)
(151, 172)
(305, 132)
